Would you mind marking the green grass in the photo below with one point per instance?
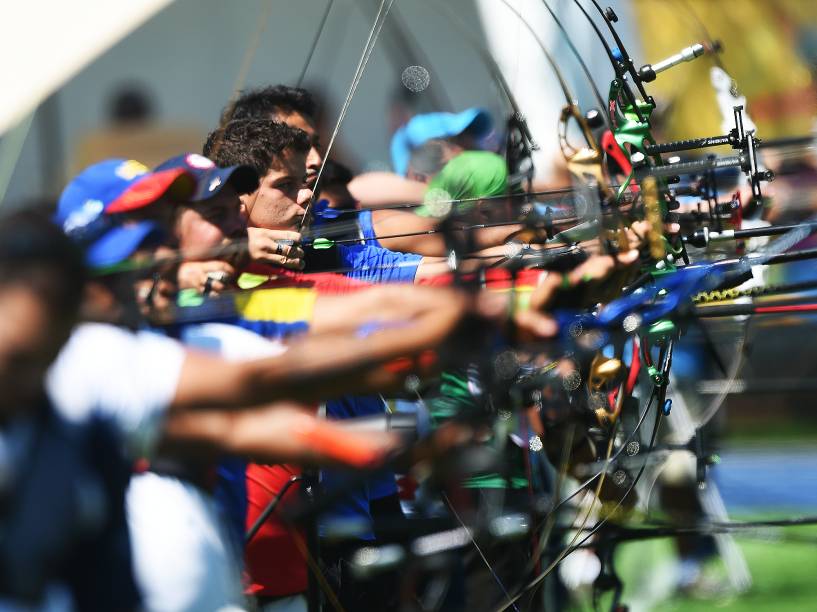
(784, 574)
(770, 433)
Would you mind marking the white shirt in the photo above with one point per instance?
(230, 342)
(129, 378)
(183, 560)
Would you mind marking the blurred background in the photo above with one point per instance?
(147, 79)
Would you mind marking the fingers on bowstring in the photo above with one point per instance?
(293, 252)
(288, 235)
(295, 237)
(287, 256)
(285, 261)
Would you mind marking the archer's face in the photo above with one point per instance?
(280, 200)
(201, 227)
(31, 335)
(314, 158)
(156, 292)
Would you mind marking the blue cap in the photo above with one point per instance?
(209, 177)
(422, 128)
(120, 242)
(120, 184)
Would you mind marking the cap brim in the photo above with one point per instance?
(400, 151)
(153, 186)
(477, 120)
(120, 242)
(242, 178)
(422, 128)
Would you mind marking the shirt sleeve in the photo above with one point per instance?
(129, 379)
(366, 223)
(230, 342)
(378, 265)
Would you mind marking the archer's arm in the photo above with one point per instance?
(277, 433)
(392, 222)
(374, 189)
(321, 366)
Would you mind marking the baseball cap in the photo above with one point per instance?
(122, 185)
(210, 178)
(422, 128)
(114, 185)
(121, 241)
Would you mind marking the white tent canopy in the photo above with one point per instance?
(43, 43)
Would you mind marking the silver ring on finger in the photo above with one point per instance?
(218, 275)
(279, 249)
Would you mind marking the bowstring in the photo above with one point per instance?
(374, 33)
(244, 68)
(479, 551)
(582, 64)
(574, 545)
(314, 45)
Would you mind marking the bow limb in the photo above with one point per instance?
(585, 163)
(520, 143)
(580, 59)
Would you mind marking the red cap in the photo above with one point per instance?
(153, 186)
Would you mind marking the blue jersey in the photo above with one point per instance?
(367, 261)
(375, 264)
(366, 226)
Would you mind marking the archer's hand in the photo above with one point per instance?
(587, 284)
(276, 247)
(206, 277)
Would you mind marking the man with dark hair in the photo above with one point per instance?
(280, 202)
(229, 140)
(271, 100)
(62, 514)
(272, 239)
(291, 105)
(277, 155)
(296, 108)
